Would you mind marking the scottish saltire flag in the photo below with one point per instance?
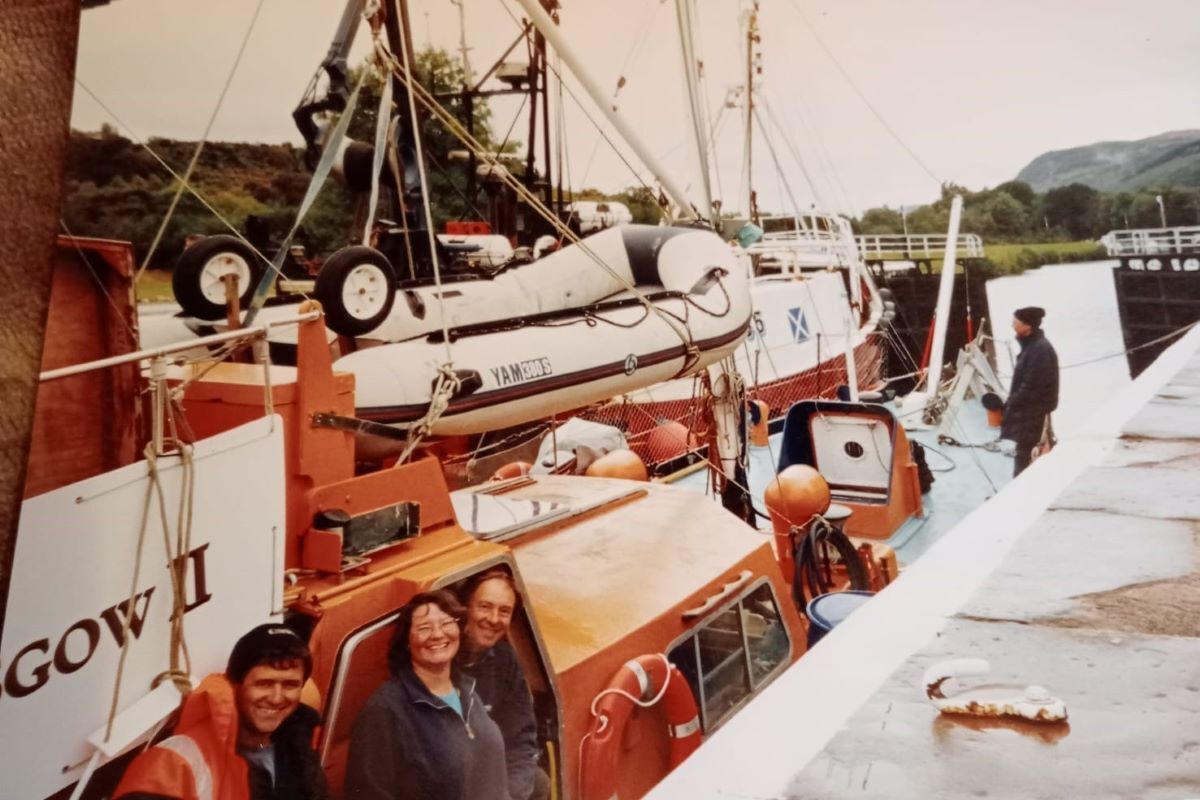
(799, 324)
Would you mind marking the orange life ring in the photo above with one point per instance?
(652, 680)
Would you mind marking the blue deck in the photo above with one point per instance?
(964, 478)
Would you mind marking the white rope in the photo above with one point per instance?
(447, 386)
(635, 700)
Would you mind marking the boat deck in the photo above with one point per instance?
(1080, 576)
(965, 476)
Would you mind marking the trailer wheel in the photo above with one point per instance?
(357, 287)
(197, 281)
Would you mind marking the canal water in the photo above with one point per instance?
(1081, 322)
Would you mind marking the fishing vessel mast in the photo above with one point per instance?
(753, 67)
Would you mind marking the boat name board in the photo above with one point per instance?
(75, 621)
(1162, 264)
(521, 371)
(24, 676)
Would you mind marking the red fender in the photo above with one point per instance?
(643, 678)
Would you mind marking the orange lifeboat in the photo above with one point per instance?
(644, 681)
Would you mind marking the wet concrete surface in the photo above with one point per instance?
(1133, 701)
(1098, 601)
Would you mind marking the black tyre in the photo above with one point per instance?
(357, 287)
(197, 280)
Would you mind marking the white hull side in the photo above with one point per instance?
(72, 572)
(798, 322)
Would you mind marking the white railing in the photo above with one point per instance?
(1146, 241)
(807, 241)
(969, 245)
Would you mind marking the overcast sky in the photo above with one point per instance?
(975, 89)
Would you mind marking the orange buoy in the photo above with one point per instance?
(792, 499)
(668, 440)
(796, 495)
(513, 469)
(618, 464)
(759, 423)
(652, 680)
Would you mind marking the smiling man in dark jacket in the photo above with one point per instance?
(490, 599)
(1034, 391)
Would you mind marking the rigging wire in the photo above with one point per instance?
(862, 96)
(138, 140)
(791, 145)
(778, 167)
(583, 109)
(187, 174)
(452, 124)
(117, 313)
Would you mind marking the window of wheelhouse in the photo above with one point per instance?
(733, 653)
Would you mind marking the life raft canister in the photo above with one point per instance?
(652, 680)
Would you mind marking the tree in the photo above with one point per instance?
(1020, 191)
(879, 221)
(1008, 216)
(1074, 208)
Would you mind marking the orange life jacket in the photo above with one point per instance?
(200, 761)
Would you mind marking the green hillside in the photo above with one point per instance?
(1168, 159)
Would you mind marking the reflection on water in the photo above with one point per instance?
(1083, 324)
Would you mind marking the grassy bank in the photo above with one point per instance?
(1015, 258)
(155, 286)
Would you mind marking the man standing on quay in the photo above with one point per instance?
(1034, 391)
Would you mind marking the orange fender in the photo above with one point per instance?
(760, 431)
(651, 679)
(513, 469)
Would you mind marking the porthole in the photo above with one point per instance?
(854, 450)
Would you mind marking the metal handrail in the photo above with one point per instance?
(178, 347)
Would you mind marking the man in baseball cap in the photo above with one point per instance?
(241, 735)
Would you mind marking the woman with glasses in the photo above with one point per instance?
(425, 734)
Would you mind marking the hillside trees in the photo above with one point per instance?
(116, 189)
(1014, 212)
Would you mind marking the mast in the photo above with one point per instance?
(685, 11)
(544, 77)
(546, 25)
(462, 39)
(752, 58)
